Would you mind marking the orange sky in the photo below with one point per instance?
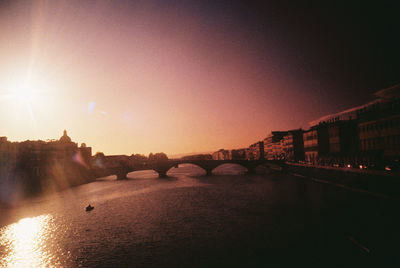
(143, 78)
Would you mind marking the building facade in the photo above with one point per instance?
(221, 154)
(293, 146)
(8, 159)
(273, 149)
(35, 160)
(256, 151)
(316, 144)
(379, 132)
(237, 154)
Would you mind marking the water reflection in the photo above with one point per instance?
(25, 243)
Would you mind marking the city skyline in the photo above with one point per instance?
(147, 77)
(349, 114)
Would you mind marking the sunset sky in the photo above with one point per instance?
(177, 77)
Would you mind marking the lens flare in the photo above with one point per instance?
(91, 107)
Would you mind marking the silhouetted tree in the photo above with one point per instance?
(197, 157)
(158, 157)
(99, 154)
(98, 159)
(138, 158)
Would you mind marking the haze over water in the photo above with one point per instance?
(196, 221)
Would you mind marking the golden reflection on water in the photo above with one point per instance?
(24, 244)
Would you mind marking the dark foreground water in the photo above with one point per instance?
(266, 220)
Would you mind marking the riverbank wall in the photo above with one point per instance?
(381, 182)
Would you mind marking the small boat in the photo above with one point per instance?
(89, 208)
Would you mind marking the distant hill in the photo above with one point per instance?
(176, 156)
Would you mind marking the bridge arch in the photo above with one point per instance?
(142, 174)
(230, 169)
(162, 167)
(188, 169)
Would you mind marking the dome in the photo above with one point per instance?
(65, 137)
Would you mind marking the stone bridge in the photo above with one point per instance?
(161, 167)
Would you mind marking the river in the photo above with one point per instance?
(190, 220)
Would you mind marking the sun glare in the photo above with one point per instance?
(25, 89)
(24, 93)
(26, 243)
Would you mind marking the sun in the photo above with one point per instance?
(24, 92)
(22, 89)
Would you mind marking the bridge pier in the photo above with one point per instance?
(251, 170)
(209, 171)
(162, 174)
(122, 176)
(162, 168)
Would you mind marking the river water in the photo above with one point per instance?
(189, 220)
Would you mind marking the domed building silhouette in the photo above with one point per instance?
(67, 149)
(64, 138)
